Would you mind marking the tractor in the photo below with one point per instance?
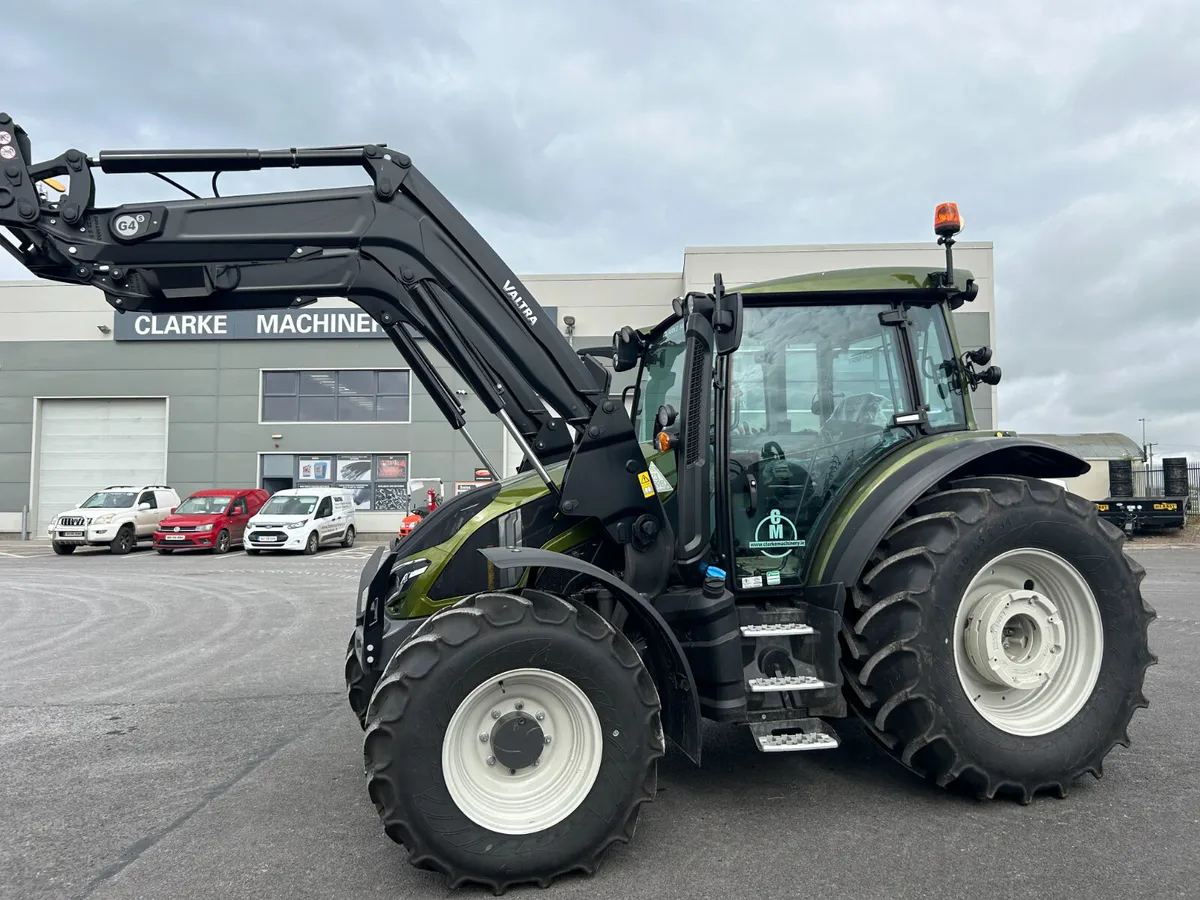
(796, 524)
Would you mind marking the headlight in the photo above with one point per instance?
(104, 519)
(408, 572)
(296, 525)
(207, 527)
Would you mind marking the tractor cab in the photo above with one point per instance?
(834, 371)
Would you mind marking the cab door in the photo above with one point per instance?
(326, 525)
(146, 520)
(238, 515)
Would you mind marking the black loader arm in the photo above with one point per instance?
(395, 247)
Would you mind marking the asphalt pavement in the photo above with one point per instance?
(176, 727)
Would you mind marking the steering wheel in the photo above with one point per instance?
(780, 476)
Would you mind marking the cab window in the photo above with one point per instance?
(813, 392)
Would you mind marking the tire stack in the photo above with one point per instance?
(1175, 476)
(1120, 478)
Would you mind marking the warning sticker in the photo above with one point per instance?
(8, 152)
(773, 577)
(5, 138)
(752, 581)
(646, 483)
(775, 532)
(660, 480)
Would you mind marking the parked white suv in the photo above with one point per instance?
(119, 516)
(302, 519)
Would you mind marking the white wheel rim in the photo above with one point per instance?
(537, 796)
(1028, 642)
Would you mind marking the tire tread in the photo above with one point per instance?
(882, 666)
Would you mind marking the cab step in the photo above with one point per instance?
(777, 683)
(776, 629)
(793, 735)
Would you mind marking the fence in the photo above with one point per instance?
(1149, 483)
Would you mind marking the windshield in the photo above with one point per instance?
(109, 500)
(201, 506)
(293, 505)
(661, 380)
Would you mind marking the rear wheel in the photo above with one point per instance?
(63, 549)
(123, 542)
(514, 740)
(998, 641)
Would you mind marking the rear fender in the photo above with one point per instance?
(865, 527)
(680, 701)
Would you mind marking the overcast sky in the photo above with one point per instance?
(605, 135)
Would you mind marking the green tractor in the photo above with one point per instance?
(798, 522)
(866, 549)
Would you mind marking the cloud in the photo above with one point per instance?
(605, 136)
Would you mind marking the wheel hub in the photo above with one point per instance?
(517, 741)
(1015, 638)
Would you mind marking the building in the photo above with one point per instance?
(1095, 449)
(90, 397)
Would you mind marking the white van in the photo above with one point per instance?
(302, 519)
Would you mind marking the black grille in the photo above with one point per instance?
(279, 536)
(692, 449)
(75, 521)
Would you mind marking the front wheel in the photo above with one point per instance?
(63, 549)
(514, 740)
(221, 544)
(123, 542)
(998, 641)
(311, 545)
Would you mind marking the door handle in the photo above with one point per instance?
(752, 500)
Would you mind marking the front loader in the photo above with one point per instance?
(798, 520)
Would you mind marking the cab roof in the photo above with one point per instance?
(865, 280)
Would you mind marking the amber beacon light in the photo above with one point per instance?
(947, 221)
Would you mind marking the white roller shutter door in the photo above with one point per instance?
(86, 445)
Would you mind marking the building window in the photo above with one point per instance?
(377, 481)
(336, 395)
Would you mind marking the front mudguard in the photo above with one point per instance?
(678, 695)
(970, 457)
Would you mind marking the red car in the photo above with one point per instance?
(209, 520)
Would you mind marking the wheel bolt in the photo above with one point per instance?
(483, 737)
(491, 760)
(495, 713)
(519, 705)
(536, 761)
(540, 716)
(547, 739)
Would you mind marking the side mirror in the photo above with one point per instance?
(627, 349)
(142, 506)
(171, 510)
